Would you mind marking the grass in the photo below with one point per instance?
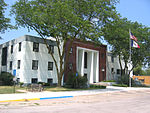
(10, 89)
(58, 89)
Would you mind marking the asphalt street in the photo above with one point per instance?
(127, 101)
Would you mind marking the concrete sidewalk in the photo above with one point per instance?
(66, 94)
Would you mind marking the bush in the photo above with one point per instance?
(6, 78)
(21, 84)
(124, 82)
(109, 81)
(98, 86)
(124, 79)
(74, 81)
(120, 85)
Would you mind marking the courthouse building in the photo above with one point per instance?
(29, 58)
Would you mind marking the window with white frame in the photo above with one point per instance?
(50, 65)
(51, 49)
(10, 65)
(18, 67)
(35, 47)
(34, 64)
(19, 49)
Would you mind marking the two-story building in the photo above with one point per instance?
(29, 58)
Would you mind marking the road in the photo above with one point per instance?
(115, 102)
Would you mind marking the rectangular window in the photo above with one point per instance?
(34, 64)
(19, 47)
(11, 49)
(50, 80)
(112, 70)
(70, 66)
(34, 80)
(4, 56)
(71, 50)
(35, 47)
(18, 64)
(118, 71)
(10, 66)
(50, 65)
(51, 49)
(102, 55)
(112, 59)
(85, 60)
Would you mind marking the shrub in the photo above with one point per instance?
(6, 78)
(98, 86)
(120, 85)
(21, 84)
(74, 81)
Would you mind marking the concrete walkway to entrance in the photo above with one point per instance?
(66, 94)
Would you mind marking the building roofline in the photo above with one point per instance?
(27, 38)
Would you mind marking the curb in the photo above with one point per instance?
(45, 98)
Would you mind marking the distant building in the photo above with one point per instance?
(113, 67)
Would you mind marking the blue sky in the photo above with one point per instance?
(134, 10)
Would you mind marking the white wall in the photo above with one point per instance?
(43, 57)
(26, 55)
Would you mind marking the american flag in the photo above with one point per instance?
(133, 37)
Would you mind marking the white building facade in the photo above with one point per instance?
(28, 57)
(113, 67)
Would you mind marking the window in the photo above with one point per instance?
(34, 64)
(112, 70)
(51, 49)
(71, 50)
(50, 65)
(19, 47)
(50, 80)
(11, 49)
(112, 59)
(70, 66)
(102, 55)
(35, 47)
(118, 71)
(85, 75)
(34, 80)
(18, 80)
(10, 66)
(85, 60)
(4, 56)
(18, 64)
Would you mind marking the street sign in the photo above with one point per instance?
(14, 72)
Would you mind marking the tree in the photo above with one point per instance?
(117, 35)
(63, 20)
(138, 71)
(4, 22)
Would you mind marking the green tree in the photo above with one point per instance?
(4, 22)
(138, 71)
(63, 20)
(117, 35)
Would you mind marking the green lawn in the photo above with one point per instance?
(10, 89)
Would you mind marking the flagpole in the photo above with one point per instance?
(129, 57)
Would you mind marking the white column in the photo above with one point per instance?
(97, 67)
(91, 68)
(82, 63)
